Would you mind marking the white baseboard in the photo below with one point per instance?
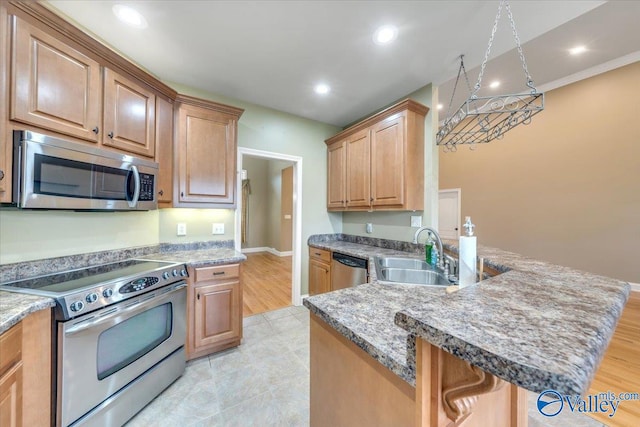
(635, 287)
(302, 297)
(266, 249)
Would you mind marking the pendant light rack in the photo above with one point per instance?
(483, 119)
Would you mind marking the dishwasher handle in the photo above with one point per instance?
(350, 261)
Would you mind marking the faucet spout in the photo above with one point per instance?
(435, 234)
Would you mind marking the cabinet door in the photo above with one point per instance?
(358, 169)
(207, 156)
(336, 182)
(164, 150)
(319, 278)
(53, 85)
(387, 163)
(5, 133)
(129, 115)
(11, 397)
(217, 313)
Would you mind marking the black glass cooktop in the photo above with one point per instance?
(91, 276)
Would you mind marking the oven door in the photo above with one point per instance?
(103, 351)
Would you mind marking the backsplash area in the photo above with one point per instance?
(386, 225)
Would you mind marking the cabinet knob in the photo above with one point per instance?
(371, 199)
(95, 130)
(198, 295)
(110, 135)
(161, 192)
(182, 194)
(1, 175)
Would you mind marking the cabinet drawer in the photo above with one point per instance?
(11, 345)
(320, 254)
(217, 272)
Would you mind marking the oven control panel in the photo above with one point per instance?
(88, 300)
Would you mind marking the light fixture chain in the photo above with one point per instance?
(530, 83)
(486, 55)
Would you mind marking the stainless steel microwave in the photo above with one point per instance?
(51, 173)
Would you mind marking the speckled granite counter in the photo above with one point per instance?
(14, 306)
(537, 325)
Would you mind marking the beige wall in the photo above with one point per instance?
(565, 188)
(199, 224)
(258, 219)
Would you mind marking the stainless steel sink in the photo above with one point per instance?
(408, 270)
(405, 263)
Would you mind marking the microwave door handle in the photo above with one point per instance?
(136, 192)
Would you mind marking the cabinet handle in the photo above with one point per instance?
(218, 273)
(1, 175)
(182, 194)
(198, 295)
(161, 192)
(96, 130)
(110, 135)
(371, 199)
(317, 253)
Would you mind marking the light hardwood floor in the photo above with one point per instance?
(266, 280)
(620, 368)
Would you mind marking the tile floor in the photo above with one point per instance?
(264, 382)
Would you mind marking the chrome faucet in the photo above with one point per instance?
(438, 241)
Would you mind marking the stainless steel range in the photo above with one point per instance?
(121, 331)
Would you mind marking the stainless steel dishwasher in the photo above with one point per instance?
(347, 271)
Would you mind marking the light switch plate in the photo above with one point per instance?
(181, 229)
(369, 227)
(416, 220)
(217, 228)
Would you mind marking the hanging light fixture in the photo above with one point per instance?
(483, 119)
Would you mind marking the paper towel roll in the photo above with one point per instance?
(467, 261)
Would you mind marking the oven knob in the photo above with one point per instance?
(76, 306)
(165, 275)
(107, 293)
(183, 272)
(175, 273)
(91, 298)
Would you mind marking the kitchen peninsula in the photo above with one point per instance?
(415, 355)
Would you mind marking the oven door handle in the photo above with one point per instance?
(136, 307)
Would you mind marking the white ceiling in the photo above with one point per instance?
(272, 53)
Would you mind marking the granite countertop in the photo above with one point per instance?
(15, 306)
(538, 325)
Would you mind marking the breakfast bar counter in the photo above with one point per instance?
(536, 325)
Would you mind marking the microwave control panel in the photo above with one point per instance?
(146, 187)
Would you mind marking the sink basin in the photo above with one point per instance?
(408, 270)
(404, 263)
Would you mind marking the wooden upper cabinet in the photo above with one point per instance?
(5, 133)
(164, 151)
(129, 115)
(384, 160)
(206, 153)
(53, 85)
(358, 184)
(387, 162)
(336, 165)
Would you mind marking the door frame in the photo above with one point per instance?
(457, 192)
(296, 244)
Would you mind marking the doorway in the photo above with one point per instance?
(294, 217)
(449, 213)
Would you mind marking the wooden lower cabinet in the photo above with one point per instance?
(319, 271)
(351, 388)
(25, 372)
(214, 309)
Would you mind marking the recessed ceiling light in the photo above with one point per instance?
(577, 50)
(129, 16)
(494, 84)
(385, 34)
(322, 89)
(440, 106)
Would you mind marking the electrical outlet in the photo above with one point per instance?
(416, 220)
(217, 228)
(181, 229)
(369, 228)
